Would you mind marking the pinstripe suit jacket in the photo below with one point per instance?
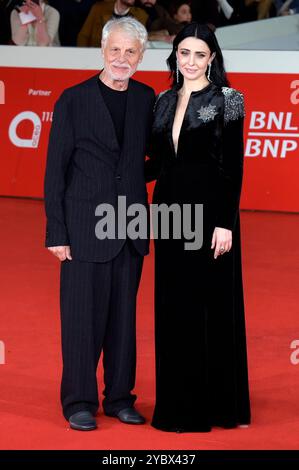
(86, 166)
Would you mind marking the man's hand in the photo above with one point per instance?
(221, 241)
(61, 252)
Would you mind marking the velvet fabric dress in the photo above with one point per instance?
(201, 359)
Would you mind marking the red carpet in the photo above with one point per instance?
(29, 326)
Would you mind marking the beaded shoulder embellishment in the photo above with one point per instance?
(233, 104)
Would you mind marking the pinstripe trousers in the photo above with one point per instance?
(98, 313)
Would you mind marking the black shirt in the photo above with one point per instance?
(116, 102)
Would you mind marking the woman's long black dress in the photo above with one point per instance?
(201, 360)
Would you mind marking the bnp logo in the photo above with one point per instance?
(2, 92)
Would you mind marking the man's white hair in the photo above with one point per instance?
(129, 25)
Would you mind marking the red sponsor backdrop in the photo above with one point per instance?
(271, 131)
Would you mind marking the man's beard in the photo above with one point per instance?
(127, 73)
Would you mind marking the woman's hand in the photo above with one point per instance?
(35, 9)
(24, 8)
(221, 241)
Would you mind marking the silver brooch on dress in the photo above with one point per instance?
(207, 113)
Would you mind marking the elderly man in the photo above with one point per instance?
(96, 153)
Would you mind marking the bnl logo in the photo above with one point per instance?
(2, 92)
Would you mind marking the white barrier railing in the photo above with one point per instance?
(154, 59)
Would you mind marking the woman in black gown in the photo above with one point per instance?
(196, 156)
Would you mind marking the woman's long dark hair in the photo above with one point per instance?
(203, 32)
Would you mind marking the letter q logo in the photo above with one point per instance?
(37, 126)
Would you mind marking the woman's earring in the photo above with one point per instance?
(209, 72)
(177, 72)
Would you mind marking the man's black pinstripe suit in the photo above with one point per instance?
(86, 166)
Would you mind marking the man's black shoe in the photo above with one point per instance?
(82, 421)
(129, 416)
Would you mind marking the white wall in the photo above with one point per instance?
(154, 60)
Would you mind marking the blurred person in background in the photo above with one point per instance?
(6, 7)
(287, 7)
(73, 14)
(258, 9)
(160, 25)
(240, 11)
(230, 12)
(180, 11)
(101, 12)
(205, 12)
(41, 31)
